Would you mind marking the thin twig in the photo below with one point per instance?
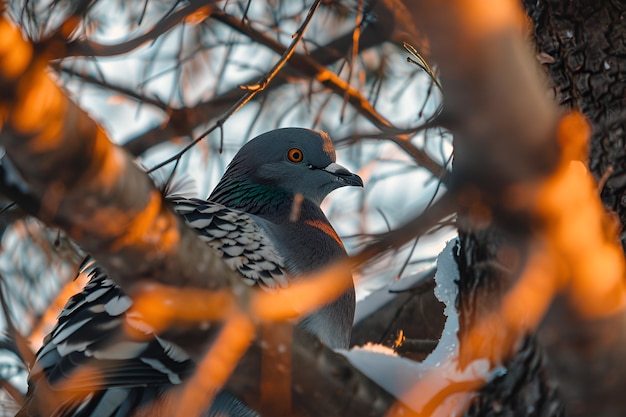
(251, 90)
(356, 35)
(131, 93)
(88, 48)
(421, 62)
(419, 225)
(416, 346)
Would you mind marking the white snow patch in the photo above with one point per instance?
(446, 291)
(417, 383)
(377, 348)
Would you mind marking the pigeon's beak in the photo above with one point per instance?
(344, 177)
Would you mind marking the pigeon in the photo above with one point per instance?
(264, 219)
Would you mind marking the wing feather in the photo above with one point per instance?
(88, 350)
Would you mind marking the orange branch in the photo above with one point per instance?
(90, 187)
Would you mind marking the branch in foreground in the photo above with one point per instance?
(88, 186)
(82, 47)
(514, 150)
(348, 392)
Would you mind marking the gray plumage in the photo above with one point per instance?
(264, 219)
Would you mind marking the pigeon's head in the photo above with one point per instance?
(299, 161)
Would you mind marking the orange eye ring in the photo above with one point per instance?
(295, 155)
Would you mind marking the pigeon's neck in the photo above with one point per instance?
(263, 200)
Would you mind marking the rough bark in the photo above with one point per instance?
(525, 388)
(583, 45)
(494, 149)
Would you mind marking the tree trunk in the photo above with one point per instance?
(525, 388)
(581, 45)
(586, 40)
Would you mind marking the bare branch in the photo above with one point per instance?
(306, 66)
(82, 47)
(417, 226)
(185, 120)
(347, 393)
(251, 90)
(132, 94)
(75, 172)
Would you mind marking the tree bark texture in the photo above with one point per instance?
(583, 47)
(525, 388)
(507, 135)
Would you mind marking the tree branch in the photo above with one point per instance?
(252, 89)
(184, 120)
(88, 186)
(587, 70)
(520, 166)
(83, 47)
(347, 392)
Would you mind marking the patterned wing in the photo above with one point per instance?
(243, 244)
(112, 373)
(88, 352)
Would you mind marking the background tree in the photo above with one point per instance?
(513, 153)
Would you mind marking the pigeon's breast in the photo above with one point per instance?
(307, 245)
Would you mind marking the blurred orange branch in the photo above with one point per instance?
(573, 248)
(84, 182)
(216, 367)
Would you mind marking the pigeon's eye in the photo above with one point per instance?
(295, 155)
